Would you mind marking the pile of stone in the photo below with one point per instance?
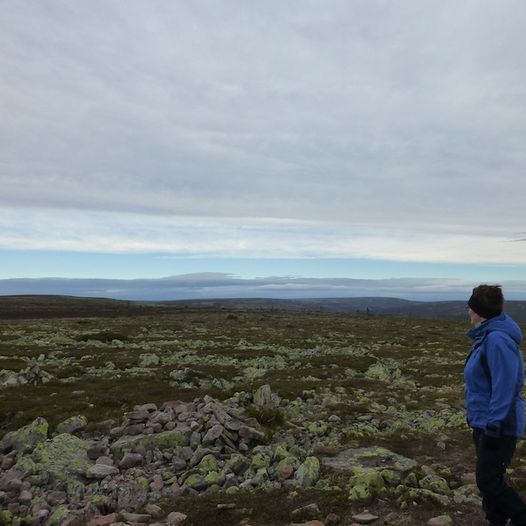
(157, 452)
(32, 374)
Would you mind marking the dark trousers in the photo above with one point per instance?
(499, 501)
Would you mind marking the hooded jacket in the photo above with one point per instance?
(494, 376)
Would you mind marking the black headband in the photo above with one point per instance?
(482, 310)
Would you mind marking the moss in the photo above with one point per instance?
(365, 484)
(61, 458)
(60, 514)
(28, 437)
(208, 463)
(308, 472)
(6, 518)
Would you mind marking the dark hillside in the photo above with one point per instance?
(44, 306)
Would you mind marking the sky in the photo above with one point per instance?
(362, 140)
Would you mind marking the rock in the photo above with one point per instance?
(59, 516)
(310, 511)
(60, 459)
(441, 520)
(435, 484)
(263, 397)
(365, 484)
(100, 471)
(370, 457)
(25, 496)
(149, 360)
(104, 460)
(175, 518)
(157, 483)
(285, 471)
(365, 518)
(150, 407)
(213, 434)
(131, 460)
(165, 440)
(155, 511)
(468, 478)
(72, 425)
(103, 520)
(135, 517)
(132, 495)
(308, 472)
(14, 486)
(97, 450)
(332, 520)
(26, 438)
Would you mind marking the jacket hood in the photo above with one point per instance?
(502, 323)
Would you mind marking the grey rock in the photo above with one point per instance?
(131, 496)
(97, 450)
(72, 425)
(100, 471)
(104, 460)
(310, 511)
(213, 434)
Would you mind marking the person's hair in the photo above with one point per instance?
(487, 300)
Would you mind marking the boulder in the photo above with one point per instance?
(72, 425)
(308, 472)
(60, 459)
(26, 438)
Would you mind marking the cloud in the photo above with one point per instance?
(222, 285)
(383, 129)
(118, 233)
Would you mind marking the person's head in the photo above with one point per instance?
(487, 301)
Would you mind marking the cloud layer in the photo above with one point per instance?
(221, 285)
(358, 129)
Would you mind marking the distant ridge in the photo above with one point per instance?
(50, 306)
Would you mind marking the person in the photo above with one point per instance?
(494, 376)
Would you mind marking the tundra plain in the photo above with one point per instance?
(267, 417)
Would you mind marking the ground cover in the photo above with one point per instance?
(343, 382)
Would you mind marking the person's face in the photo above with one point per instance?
(474, 318)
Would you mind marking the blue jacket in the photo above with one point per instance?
(494, 376)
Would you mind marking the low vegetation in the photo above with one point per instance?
(337, 382)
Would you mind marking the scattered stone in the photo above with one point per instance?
(155, 511)
(100, 471)
(263, 397)
(135, 517)
(175, 518)
(310, 511)
(26, 438)
(308, 472)
(59, 460)
(103, 520)
(131, 460)
(365, 518)
(441, 520)
(72, 425)
(332, 520)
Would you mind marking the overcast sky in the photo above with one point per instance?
(371, 130)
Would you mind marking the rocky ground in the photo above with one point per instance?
(253, 418)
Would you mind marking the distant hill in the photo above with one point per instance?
(20, 307)
(371, 306)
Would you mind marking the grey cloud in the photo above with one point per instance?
(369, 112)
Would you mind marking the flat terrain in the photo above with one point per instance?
(344, 381)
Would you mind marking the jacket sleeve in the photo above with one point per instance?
(503, 367)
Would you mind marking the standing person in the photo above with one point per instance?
(494, 376)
